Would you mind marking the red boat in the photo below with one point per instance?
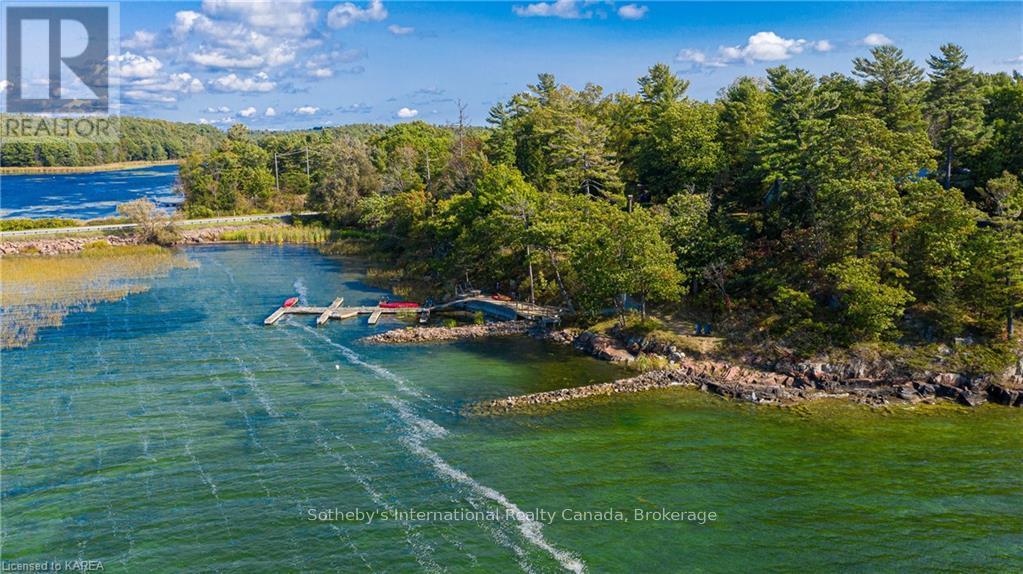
(500, 297)
(399, 305)
(290, 301)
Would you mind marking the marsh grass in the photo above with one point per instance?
(38, 292)
(279, 234)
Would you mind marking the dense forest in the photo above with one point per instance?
(139, 139)
(811, 211)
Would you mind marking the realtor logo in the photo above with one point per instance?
(57, 59)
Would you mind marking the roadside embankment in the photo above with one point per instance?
(65, 244)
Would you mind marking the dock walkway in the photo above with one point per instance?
(505, 310)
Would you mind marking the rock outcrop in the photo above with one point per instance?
(644, 382)
(431, 334)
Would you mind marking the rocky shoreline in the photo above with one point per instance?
(435, 334)
(74, 244)
(785, 382)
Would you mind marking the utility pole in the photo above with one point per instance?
(529, 257)
(307, 161)
(277, 177)
(630, 203)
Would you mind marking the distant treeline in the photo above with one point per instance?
(140, 140)
(811, 211)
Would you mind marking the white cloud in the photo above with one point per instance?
(567, 9)
(235, 44)
(823, 46)
(360, 108)
(293, 18)
(632, 12)
(406, 113)
(344, 15)
(400, 30)
(4, 84)
(164, 89)
(152, 97)
(220, 110)
(247, 112)
(270, 112)
(185, 21)
(132, 66)
(691, 55)
(321, 72)
(219, 59)
(876, 39)
(1016, 60)
(139, 40)
(764, 47)
(760, 47)
(305, 110)
(232, 83)
(224, 121)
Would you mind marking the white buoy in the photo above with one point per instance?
(337, 367)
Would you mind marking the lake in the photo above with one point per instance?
(84, 195)
(171, 430)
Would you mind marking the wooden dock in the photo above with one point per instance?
(502, 310)
(325, 316)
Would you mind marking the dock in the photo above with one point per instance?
(501, 310)
(325, 316)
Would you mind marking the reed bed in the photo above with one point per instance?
(38, 292)
(278, 234)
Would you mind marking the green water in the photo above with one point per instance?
(172, 431)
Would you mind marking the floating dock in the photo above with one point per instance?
(325, 316)
(502, 310)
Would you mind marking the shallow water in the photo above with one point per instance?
(84, 195)
(172, 429)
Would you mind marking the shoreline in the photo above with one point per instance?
(69, 245)
(83, 169)
(782, 385)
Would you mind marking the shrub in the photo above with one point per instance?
(477, 318)
(20, 223)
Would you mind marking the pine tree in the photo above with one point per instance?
(955, 105)
(891, 88)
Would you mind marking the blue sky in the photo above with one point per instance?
(223, 61)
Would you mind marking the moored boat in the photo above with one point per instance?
(399, 305)
(290, 301)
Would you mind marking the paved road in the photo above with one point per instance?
(121, 226)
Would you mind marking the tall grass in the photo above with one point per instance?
(38, 292)
(278, 234)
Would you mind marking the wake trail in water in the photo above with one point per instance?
(422, 429)
(300, 288)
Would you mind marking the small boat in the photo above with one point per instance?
(500, 297)
(398, 305)
(290, 301)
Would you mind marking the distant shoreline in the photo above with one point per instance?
(58, 169)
